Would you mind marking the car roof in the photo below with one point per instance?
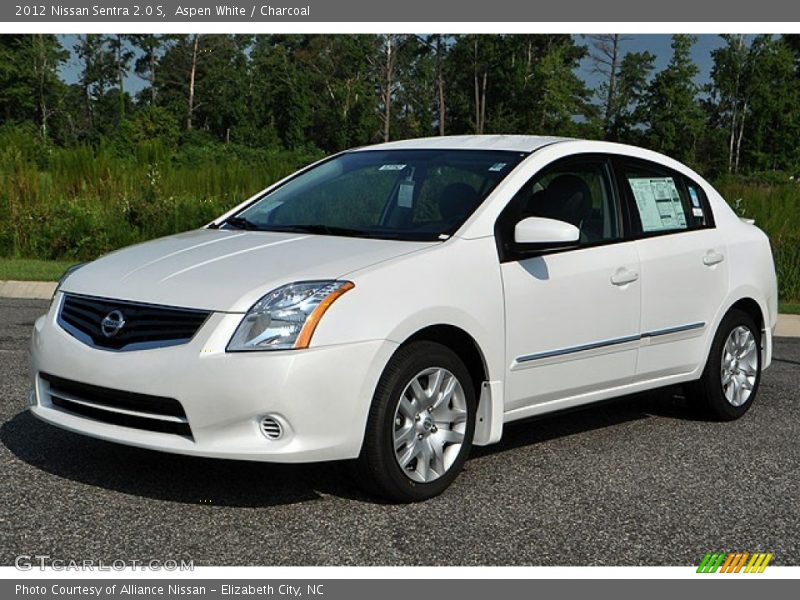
(513, 143)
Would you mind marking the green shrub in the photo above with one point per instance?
(149, 124)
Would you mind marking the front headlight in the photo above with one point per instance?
(286, 317)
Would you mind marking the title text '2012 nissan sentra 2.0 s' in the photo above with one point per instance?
(397, 304)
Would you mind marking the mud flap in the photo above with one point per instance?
(489, 421)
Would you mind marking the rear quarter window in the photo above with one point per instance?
(701, 210)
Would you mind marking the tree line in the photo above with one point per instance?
(330, 92)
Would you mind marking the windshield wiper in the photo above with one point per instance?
(323, 230)
(241, 223)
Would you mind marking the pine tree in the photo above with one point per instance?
(673, 115)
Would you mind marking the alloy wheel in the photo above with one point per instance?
(429, 424)
(739, 368)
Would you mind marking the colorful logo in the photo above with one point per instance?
(734, 562)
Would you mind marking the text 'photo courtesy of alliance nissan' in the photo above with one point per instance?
(392, 306)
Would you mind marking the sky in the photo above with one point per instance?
(657, 44)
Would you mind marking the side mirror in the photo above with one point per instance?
(537, 233)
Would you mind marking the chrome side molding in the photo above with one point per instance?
(607, 343)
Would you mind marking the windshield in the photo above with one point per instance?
(391, 194)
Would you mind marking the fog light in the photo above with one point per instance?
(271, 428)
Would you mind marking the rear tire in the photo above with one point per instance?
(420, 426)
(729, 384)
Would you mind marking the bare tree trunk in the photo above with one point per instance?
(735, 114)
(440, 81)
(607, 58)
(43, 105)
(480, 93)
(483, 103)
(40, 68)
(89, 108)
(732, 137)
(477, 91)
(120, 77)
(387, 92)
(192, 73)
(739, 138)
(152, 60)
(528, 56)
(612, 82)
(545, 99)
(87, 96)
(88, 58)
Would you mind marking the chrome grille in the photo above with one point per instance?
(93, 321)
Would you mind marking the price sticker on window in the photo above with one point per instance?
(405, 194)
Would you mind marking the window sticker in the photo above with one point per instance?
(694, 196)
(659, 203)
(697, 208)
(405, 194)
(391, 167)
(497, 167)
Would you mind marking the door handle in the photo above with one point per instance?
(712, 258)
(624, 276)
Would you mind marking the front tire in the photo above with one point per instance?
(420, 426)
(732, 374)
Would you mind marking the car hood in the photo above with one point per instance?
(227, 271)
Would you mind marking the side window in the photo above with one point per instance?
(578, 192)
(665, 201)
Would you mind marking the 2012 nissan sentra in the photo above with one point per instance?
(396, 304)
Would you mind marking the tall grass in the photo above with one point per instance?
(776, 209)
(78, 203)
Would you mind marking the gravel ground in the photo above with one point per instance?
(640, 481)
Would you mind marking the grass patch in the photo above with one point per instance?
(789, 308)
(24, 269)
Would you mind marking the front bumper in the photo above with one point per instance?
(321, 395)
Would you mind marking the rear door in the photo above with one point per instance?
(684, 273)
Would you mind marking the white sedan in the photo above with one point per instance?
(399, 303)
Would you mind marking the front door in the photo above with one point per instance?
(572, 316)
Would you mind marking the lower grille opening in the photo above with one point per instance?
(135, 422)
(117, 407)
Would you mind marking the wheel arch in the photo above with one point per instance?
(751, 307)
(747, 301)
(489, 417)
(460, 342)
